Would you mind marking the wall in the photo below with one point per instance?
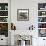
(24, 25)
(32, 5)
(3, 1)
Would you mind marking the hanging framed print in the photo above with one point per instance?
(23, 14)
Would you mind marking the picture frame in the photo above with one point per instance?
(22, 14)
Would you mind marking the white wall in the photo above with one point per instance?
(19, 4)
(32, 5)
(3, 1)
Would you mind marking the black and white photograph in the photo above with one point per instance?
(22, 14)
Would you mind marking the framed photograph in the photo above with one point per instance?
(23, 14)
